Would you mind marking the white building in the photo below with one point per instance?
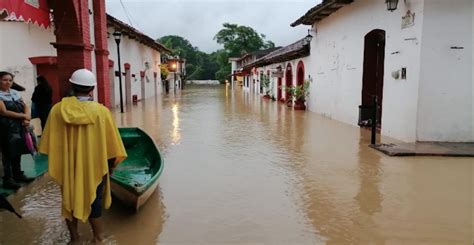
(285, 67)
(20, 43)
(140, 58)
(417, 60)
(26, 51)
(234, 68)
(243, 70)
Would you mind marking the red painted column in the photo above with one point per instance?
(101, 52)
(72, 30)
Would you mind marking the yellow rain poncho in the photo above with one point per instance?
(79, 138)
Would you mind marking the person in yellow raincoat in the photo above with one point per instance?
(83, 146)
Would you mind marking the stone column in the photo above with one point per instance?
(112, 84)
(73, 44)
(128, 84)
(101, 52)
(142, 84)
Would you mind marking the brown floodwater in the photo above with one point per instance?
(243, 170)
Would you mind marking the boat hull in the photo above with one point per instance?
(136, 179)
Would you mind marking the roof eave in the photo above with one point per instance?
(132, 33)
(320, 11)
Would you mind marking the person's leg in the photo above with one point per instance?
(7, 165)
(43, 117)
(8, 181)
(97, 226)
(16, 166)
(72, 227)
(95, 219)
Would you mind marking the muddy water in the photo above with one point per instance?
(242, 170)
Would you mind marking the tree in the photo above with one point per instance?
(237, 40)
(183, 48)
(196, 66)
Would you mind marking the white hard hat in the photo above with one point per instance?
(83, 77)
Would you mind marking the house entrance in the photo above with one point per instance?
(372, 80)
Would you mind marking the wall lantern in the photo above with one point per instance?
(391, 5)
(308, 37)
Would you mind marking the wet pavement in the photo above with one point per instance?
(243, 170)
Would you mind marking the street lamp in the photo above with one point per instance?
(173, 66)
(118, 36)
(391, 5)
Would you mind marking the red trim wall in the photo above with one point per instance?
(101, 52)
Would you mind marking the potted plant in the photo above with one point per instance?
(266, 85)
(298, 94)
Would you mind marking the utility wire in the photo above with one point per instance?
(126, 13)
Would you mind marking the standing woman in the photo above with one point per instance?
(42, 99)
(14, 117)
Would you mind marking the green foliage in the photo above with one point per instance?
(299, 92)
(199, 65)
(238, 40)
(164, 71)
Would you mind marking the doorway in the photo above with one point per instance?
(373, 73)
(46, 66)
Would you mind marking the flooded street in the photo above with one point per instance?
(243, 170)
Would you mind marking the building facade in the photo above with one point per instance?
(29, 50)
(140, 58)
(20, 44)
(417, 60)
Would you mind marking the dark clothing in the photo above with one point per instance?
(43, 113)
(12, 136)
(42, 97)
(167, 86)
(96, 207)
(11, 166)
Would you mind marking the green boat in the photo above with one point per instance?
(135, 179)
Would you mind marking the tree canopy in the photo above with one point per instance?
(198, 64)
(236, 40)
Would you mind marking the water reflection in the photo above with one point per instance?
(175, 132)
(240, 170)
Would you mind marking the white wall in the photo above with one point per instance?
(445, 93)
(18, 42)
(294, 64)
(233, 67)
(136, 54)
(336, 64)
(472, 77)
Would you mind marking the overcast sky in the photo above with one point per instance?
(199, 20)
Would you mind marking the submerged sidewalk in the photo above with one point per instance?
(427, 149)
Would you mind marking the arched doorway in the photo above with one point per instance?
(289, 80)
(372, 80)
(300, 73)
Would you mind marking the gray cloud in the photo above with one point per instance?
(199, 20)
